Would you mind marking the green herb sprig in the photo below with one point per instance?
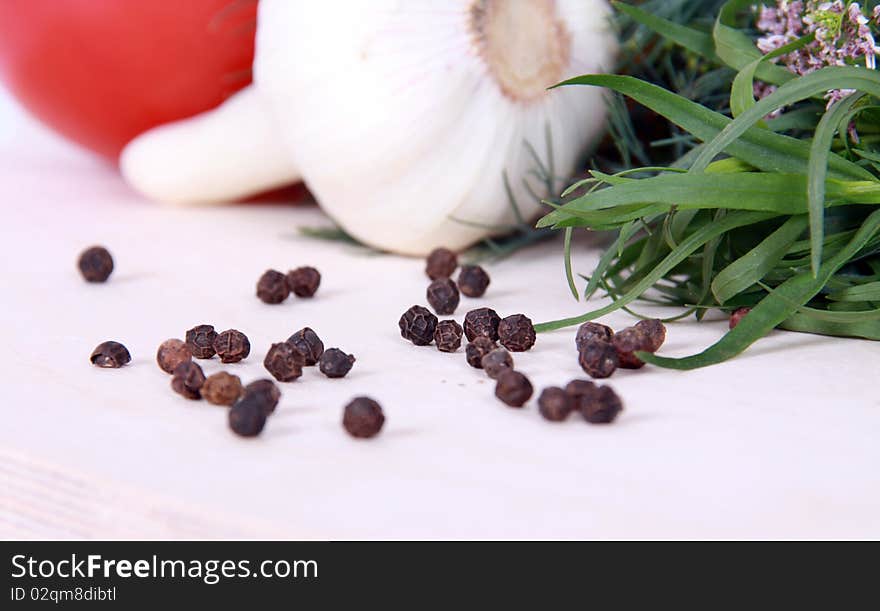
(781, 216)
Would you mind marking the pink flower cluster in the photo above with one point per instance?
(843, 36)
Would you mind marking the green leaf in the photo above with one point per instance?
(866, 328)
(606, 220)
(759, 191)
(774, 309)
(693, 40)
(861, 292)
(760, 148)
(737, 50)
(687, 247)
(710, 251)
(798, 118)
(578, 185)
(826, 79)
(568, 273)
(754, 265)
(605, 261)
(742, 92)
(867, 155)
(818, 170)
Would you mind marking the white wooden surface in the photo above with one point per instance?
(782, 442)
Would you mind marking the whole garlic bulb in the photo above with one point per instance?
(402, 116)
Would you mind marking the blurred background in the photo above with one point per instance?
(22, 135)
(15, 123)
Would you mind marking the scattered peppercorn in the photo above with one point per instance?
(473, 281)
(555, 404)
(441, 263)
(443, 296)
(266, 392)
(516, 333)
(221, 388)
(447, 336)
(110, 355)
(304, 281)
(188, 380)
(247, 417)
(477, 349)
(496, 361)
(335, 363)
(513, 388)
(598, 359)
(590, 331)
(627, 342)
(482, 321)
(200, 340)
(602, 407)
(171, 353)
(418, 325)
(578, 389)
(96, 264)
(363, 417)
(737, 316)
(232, 346)
(308, 345)
(283, 362)
(654, 330)
(272, 287)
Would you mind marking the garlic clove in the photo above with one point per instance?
(402, 117)
(228, 153)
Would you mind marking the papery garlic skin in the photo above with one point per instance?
(403, 116)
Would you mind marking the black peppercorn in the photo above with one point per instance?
(627, 342)
(221, 388)
(513, 388)
(95, 264)
(496, 361)
(555, 404)
(443, 296)
(737, 316)
(363, 417)
(598, 359)
(418, 325)
(266, 392)
(447, 336)
(482, 321)
(654, 330)
(110, 355)
(232, 346)
(473, 281)
(441, 263)
(590, 331)
(171, 353)
(188, 380)
(477, 349)
(308, 345)
(272, 287)
(335, 363)
(578, 389)
(247, 417)
(516, 333)
(200, 340)
(283, 362)
(304, 281)
(602, 407)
